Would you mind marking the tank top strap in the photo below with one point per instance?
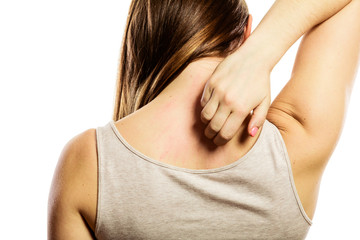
(252, 198)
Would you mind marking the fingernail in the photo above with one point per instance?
(254, 131)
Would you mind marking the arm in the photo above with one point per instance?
(73, 195)
(284, 24)
(243, 87)
(310, 110)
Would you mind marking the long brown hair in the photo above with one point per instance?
(163, 36)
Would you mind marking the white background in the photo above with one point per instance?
(58, 65)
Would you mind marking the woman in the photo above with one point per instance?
(160, 178)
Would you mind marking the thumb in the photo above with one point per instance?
(258, 117)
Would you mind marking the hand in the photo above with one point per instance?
(239, 84)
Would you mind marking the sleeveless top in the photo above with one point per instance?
(142, 198)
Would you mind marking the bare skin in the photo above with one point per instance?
(309, 112)
(172, 122)
(226, 98)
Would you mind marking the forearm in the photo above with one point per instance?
(241, 81)
(284, 24)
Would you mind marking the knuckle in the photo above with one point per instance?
(213, 82)
(215, 126)
(226, 135)
(209, 133)
(205, 115)
(220, 90)
(240, 109)
(229, 99)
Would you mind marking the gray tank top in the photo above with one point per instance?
(142, 198)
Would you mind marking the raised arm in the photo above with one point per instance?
(284, 24)
(310, 110)
(241, 82)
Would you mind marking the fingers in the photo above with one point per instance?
(225, 123)
(229, 129)
(258, 117)
(207, 93)
(210, 109)
(217, 122)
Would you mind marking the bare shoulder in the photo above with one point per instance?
(304, 154)
(310, 110)
(73, 195)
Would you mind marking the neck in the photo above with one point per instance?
(178, 105)
(172, 120)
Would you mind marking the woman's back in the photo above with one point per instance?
(150, 199)
(158, 173)
(299, 110)
(313, 102)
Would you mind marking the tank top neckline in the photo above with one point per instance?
(189, 170)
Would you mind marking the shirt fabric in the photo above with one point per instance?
(142, 198)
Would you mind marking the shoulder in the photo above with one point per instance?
(306, 155)
(310, 109)
(74, 186)
(303, 148)
(79, 156)
(81, 149)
